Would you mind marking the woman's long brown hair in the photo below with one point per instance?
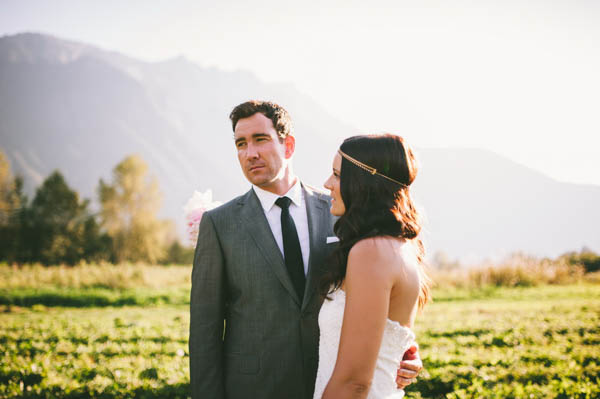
(375, 206)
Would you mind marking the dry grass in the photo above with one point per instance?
(515, 271)
(593, 277)
(103, 275)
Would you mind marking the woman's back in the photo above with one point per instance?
(406, 276)
(385, 261)
(396, 340)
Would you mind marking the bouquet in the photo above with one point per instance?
(194, 209)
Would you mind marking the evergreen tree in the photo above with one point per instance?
(55, 214)
(59, 227)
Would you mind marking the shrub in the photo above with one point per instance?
(588, 259)
(515, 271)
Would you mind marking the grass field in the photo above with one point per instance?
(541, 342)
(490, 342)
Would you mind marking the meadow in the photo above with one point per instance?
(106, 331)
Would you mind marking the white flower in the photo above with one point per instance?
(195, 208)
(200, 200)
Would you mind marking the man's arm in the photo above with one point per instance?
(207, 310)
(410, 367)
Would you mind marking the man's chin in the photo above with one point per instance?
(258, 180)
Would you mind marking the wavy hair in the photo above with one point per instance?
(375, 206)
(282, 122)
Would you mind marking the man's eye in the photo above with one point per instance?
(240, 144)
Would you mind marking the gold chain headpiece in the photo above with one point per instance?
(368, 168)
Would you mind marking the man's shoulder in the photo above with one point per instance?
(229, 207)
(319, 193)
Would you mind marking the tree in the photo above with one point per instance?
(178, 254)
(129, 208)
(12, 212)
(9, 196)
(60, 229)
(586, 257)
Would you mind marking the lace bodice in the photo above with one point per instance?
(396, 340)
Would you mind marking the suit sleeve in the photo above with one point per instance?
(207, 312)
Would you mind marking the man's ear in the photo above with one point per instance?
(290, 146)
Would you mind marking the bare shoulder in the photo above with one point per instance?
(372, 257)
(383, 248)
(384, 256)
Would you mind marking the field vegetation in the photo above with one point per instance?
(522, 329)
(94, 285)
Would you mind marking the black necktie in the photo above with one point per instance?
(291, 247)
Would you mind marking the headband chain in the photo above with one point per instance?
(368, 168)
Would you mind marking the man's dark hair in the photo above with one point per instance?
(275, 112)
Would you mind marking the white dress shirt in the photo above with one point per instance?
(297, 211)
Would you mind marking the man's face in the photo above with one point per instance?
(263, 156)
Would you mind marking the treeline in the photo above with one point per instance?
(57, 226)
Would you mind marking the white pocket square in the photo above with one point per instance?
(332, 239)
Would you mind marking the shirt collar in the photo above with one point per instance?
(267, 199)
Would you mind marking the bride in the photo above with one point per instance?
(376, 282)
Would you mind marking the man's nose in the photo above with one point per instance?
(251, 151)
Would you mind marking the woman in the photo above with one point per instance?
(375, 282)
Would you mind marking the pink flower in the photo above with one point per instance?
(195, 208)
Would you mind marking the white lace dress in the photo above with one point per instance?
(396, 340)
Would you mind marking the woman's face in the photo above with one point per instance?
(333, 184)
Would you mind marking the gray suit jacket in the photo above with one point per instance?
(268, 348)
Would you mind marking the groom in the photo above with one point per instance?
(254, 302)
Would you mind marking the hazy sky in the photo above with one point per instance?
(517, 77)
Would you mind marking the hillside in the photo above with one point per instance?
(81, 109)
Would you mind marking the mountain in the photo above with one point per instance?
(478, 203)
(80, 109)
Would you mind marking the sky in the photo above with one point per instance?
(516, 77)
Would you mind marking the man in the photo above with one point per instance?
(257, 267)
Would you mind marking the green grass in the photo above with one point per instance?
(144, 296)
(539, 342)
(537, 293)
(96, 285)
(93, 297)
(536, 342)
(104, 353)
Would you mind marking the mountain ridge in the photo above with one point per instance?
(81, 109)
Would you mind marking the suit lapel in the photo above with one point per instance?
(319, 218)
(256, 225)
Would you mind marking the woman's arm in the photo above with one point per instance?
(368, 285)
